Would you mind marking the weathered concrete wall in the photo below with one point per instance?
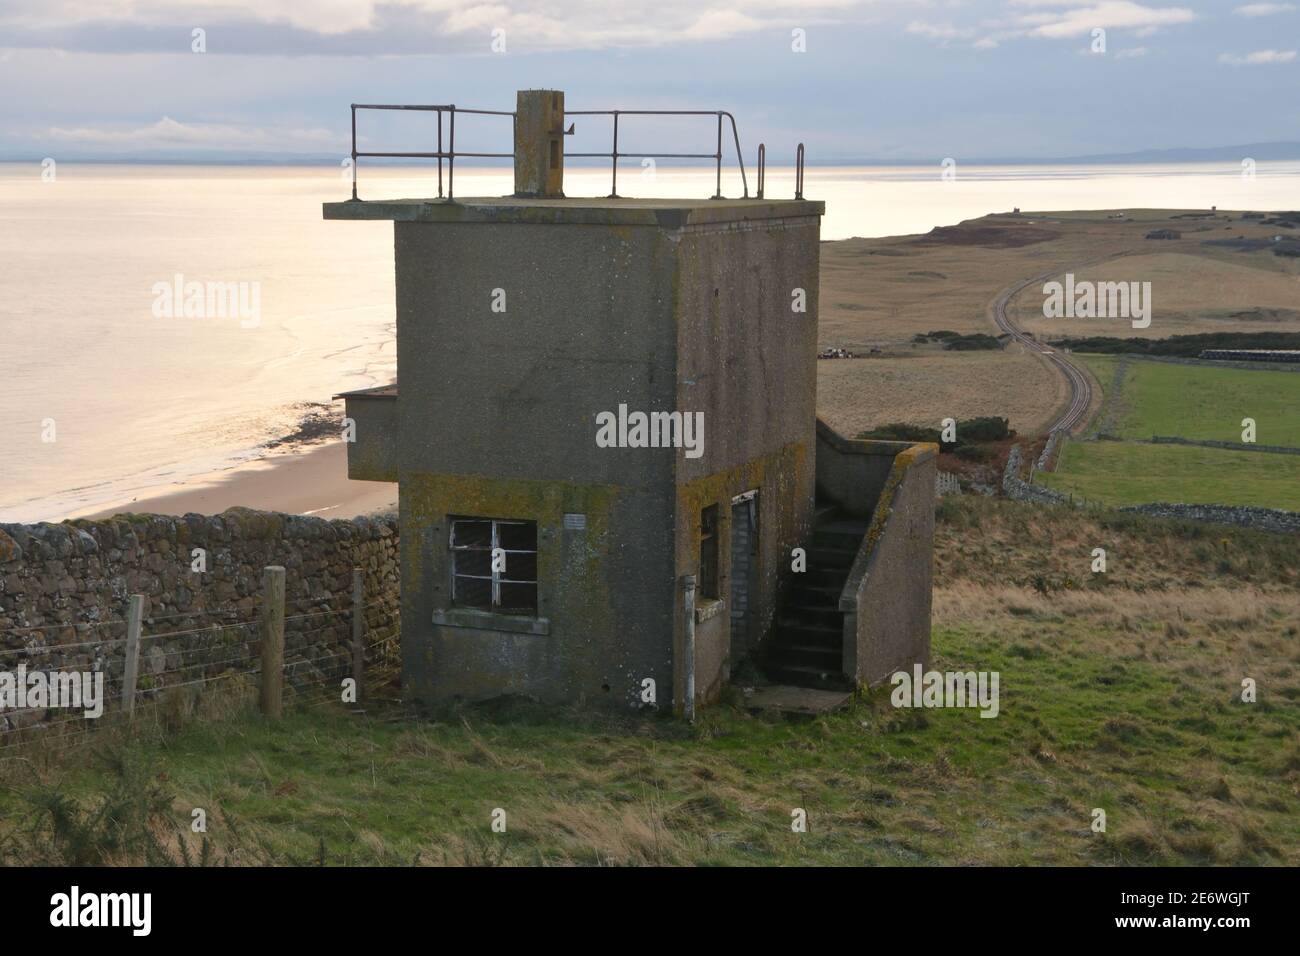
(496, 417)
(514, 394)
(886, 598)
(748, 361)
(604, 594)
(373, 454)
(851, 472)
(712, 650)
(64, 590)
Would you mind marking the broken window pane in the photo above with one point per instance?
(473, 533)
(472, 592)
(518, 598)
(475, 583)
(517, 536)
(520, 566)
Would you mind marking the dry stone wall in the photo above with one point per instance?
(64, 591)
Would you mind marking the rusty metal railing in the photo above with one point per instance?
(449, 154)
(614, 155)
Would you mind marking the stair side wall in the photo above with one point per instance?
(851, 472)
(887, 597)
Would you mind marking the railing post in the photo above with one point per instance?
(718, 154)
(272, 681)
(613, 191)
(354, 151)
(131, 670)
(451, 159)
(688, 647)
(358, 632)
(762, 167)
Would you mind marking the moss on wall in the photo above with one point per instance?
(592, 646)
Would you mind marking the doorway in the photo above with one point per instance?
(744, 567)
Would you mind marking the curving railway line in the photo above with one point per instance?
(1080, 384)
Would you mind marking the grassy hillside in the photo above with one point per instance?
(1118, 691)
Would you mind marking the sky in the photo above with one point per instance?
(853, 79)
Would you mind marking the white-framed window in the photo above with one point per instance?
(494, 564)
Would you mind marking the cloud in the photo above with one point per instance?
(939, 31)
(1110, 14)
(167, 133)
(1054, 19)
(397, 27)
(1132, 52)
(1258, 57)
(1263, 9)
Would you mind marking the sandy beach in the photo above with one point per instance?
(307, 480)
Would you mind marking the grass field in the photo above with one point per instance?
(880, 293)
(1118, 691)
(1127, 473)
(856, 394)
(1190, 293)
(1162, 398)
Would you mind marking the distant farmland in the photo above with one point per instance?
(1192, 402)
(1129, 473)
(1203, 403)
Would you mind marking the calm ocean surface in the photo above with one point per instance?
(136, 400)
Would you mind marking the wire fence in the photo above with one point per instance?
(66, 691)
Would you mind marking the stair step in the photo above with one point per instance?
(836, 539)
(805, 655)
(806, 676)
(796, 632)
(823, 598)
(822, 578)
(829, 618)
(840, 524)
(798, 608)
(824, 512)
(819, 557)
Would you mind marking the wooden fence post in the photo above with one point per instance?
(358, 631)
(131, 672)
(272, 683)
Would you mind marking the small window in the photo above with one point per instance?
(708, 583)
(476, 581)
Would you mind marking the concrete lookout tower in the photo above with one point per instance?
(604, 436)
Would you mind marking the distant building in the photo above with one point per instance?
(613, 484)
(1164, 234)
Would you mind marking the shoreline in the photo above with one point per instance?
(307, 480)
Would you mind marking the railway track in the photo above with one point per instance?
(1080, 385)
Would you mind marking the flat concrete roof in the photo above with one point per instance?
(379, 391)
(663, 213)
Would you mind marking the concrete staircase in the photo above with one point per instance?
(806, 648)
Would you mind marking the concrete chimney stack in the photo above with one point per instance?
(539, 144)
